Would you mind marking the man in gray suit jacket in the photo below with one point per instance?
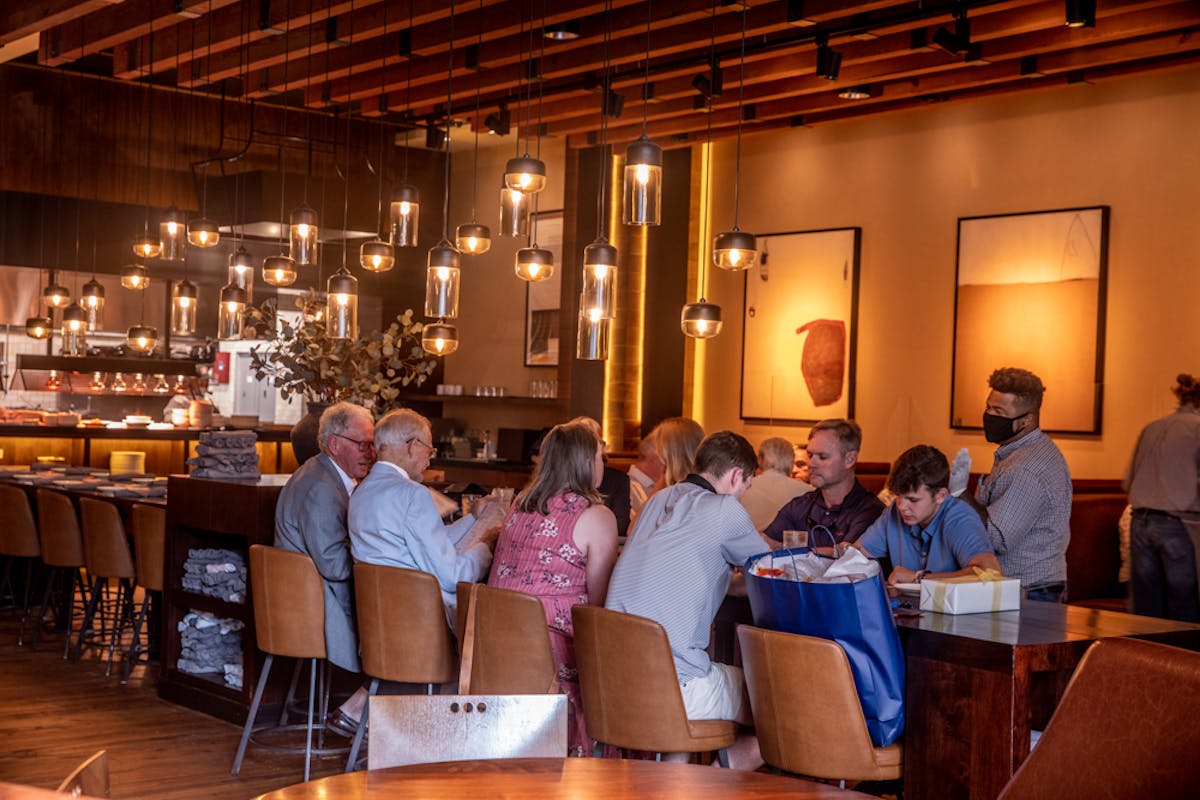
(310, 518)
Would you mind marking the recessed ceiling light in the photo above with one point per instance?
(562, 31)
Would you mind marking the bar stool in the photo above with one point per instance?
(149, 543)
(62, 551)
(18, 541)
(107, 556)
(505, 644)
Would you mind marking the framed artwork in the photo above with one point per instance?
(543, 298)
(799, 338)
(1030, 293)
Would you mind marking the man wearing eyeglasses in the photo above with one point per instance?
(310, 518)
(393, 520)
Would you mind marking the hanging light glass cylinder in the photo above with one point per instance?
(341, 317)
(600, 278)
(172, 232)
(404, 213)
(134, 276)
(56, 296)
(525, 174)
(302, 233)
(472, 238)
(38, 327)
(203, 232)
(74, 331)
(735, 250)
(442, 280)
(147, 246)
(241, 272)
(142, 338)
(377, 256)
(534, 264)
(231, 314)
(701, 320)
(642, 196)
(439, 338)
(279, 270)
(515, 207)
(183, 307)
(91, 296)
(591, 343)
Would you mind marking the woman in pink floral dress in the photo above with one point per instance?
(558, 543)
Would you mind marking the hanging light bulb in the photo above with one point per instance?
(147, 246)
(600, 278)
(134, 276)
(203, 232)
(279, 270)
(439, 338)
(143, 338)
(472, 238)
(230, 316)
(735, 250)
(180, 386)
(701, 320)
(441, 281)
(404, 212)
(591, 343)
(118, 383)
(515, 208)
(525, 174)
(303, 235)
(91, 296)
(377, 256)
(534, 264)
(56, 296)
(74, 331)
(642, 195)
(241, 272)
(38, 327)
(172, 233)
(184, 296)
(341, 317)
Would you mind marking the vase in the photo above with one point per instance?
(304, 433)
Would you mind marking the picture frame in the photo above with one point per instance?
(1052, 266)
(800, 333)
(544, 298)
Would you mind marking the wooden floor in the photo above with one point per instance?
(54, 714)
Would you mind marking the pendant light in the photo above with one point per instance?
(241, 271)
(404, 208)
(701, 320)
(526, 174)
(341, 314)
(231, 315)
(736, 249)
(91, 296)
(134, 276)
(302, 226)
(142, 338)
(172, 232)
(203, 232)
(184, 296)
(642, 195)
(55, 295)
(472, 238)
(280, 269)
(378, 255)
(591, 341)
(439, 338)
(516, 204)
(599, 290)
(148, 245)
(38, 327)
(534, 264)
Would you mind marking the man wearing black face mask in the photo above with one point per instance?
(1026, 500)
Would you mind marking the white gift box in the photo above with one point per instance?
(970, 596)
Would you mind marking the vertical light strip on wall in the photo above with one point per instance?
(693, 377)
(615, 418)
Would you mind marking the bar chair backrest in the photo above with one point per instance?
(89, 779)
(402, 631)
(58, 527)
(506, 644)
(105, 545)
(18, 531)
(289, 603)
(149, 542)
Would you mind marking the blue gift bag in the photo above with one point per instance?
(858, 617)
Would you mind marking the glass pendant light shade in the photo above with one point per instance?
(534, 264)
(74, 330)
(525, 174)
(515, 206)
(439, 338)
(377, 256)
(147, 246)
(642, 196)
(142, 338)
(279, 270)
(183, 307)
(735, 250)
(56, 296)
(91, 297)
(701, 320)
(591, 344)
(302, 232)
(230, 316)
(404, 212)
(203, 233)
(172, 233)
(442, 281)
(341, 318)
(473, 239)
(38, 327)
(241, 272)
(600, 278)
(134, 276)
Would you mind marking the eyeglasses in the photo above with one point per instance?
(422, 443)
(365, 447)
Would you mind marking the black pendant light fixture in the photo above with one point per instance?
(142, 338)
(203, 232)
(231, 317)
(184, 297)
(280, 269)
(642, 195)
(378, 255)
(534, 263)
(473, 238)
(148, 245)
(341, 321)
(516, 204)
(303, 230)
(404, 210)
(736, 249)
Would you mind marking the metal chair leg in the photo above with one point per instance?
(254, 704)
(362, 726)
(25, 614)
(89, 615)
(291, 693)
(55, 572)
(134, 651)
(723, 757)
(312, 690)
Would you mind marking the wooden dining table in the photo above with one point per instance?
(593, 778)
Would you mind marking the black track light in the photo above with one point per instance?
(829, 61)
(1081, 13)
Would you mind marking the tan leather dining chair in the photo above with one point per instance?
(402, 633)
(62, 551)
(506, 644)
(18, 541)
(1125, 727)
(107, 556)
(630, 690)
(807, 715)
(89, 779)
(149, 525)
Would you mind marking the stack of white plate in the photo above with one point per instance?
(127, 462)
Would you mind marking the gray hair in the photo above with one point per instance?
(776, 454)
(336, 420)
(397, 427)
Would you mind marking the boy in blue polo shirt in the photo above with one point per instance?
(925, 532)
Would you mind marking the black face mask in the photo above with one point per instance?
(998, 429)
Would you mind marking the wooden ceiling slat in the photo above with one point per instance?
(19, 19)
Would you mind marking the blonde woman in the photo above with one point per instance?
(676, 439)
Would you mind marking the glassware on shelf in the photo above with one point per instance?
(139, 384)
(118, 383)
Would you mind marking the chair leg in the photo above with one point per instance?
(362, 726)
(131, 656)
(597, 750)
(25, 615)
(258, 693)
(291, 693)
(723, 757)
(89, 616)
(124, 594)
(37, 627)
(312, 691)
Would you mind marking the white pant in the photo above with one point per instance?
(718, 695)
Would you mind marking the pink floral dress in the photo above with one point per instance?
(537, 555)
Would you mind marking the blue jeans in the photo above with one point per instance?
(1162, 572)
(1049, 594)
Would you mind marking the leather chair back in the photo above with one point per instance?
(105, 546)
(1125, 727)
(89, 779)
(506, 644)
(58, 527)
(629, 687)
(149, 544)
(807, 714)
(18, 531)
(289, 603)
(402, 631)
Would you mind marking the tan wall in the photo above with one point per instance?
(905, 178)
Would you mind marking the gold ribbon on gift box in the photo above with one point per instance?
(981, 576)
